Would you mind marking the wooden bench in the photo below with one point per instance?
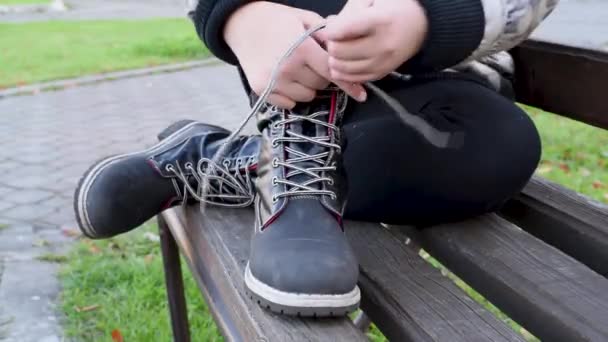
(543, 259)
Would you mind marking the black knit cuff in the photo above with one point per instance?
(456, 28)
(209, 19)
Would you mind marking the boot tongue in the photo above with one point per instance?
(312, 130)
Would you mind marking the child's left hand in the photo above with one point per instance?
(371, 38)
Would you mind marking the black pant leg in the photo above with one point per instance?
(395, 176)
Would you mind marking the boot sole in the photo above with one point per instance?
(300, 304)
(84, 184)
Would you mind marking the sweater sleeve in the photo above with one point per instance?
(455, 30)
(459, 30)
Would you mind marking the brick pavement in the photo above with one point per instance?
(48, 140)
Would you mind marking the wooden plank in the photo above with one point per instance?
(573, 223)
(216, 248)
(564, 80)
(551, 294)
(409, 300)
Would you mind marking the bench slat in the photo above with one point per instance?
(216, 248)
(409, 300)
(561, 79)
(565, 219)
(548, 292)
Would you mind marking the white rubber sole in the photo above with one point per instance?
(89, 178)
(301, 304)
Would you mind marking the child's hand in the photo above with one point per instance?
(371, 38)
(260, 32)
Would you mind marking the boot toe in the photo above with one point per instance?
(306, 267)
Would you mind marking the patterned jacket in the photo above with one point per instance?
(464, 35)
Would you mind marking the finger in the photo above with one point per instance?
(296, 92)
(309, 19)
(350, 25)
(361, 66)
(281, 101)
(310, 79)
(318, 60)
(355, 78)
(355, 49)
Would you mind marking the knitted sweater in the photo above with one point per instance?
(464, 35)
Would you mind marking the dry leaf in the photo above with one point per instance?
(86, 308)
(117, 336)
(564, 167)
(70, 232)
(148, 258)
(597, 184)
(544, 169)
(94, 249)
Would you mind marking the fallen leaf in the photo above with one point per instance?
(598, 185)
(585, 172)
(70, 232)
(148, 258)
(87, 308)
(117, 336)
(94, 249)
(544, 169)
(564, 167)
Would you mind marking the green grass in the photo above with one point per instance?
(574, 154)
(22, 2)
(118, 285)
(42, 51)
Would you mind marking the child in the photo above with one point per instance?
(321, 156)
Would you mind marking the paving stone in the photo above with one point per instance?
(59, 135)
(28, 196)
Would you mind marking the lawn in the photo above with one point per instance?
(115, 288)
(61, 49)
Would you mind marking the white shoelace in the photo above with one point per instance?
(431, 134)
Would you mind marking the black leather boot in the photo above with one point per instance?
(300, 262)
(119, 193)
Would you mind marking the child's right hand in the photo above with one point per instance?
(260, 32)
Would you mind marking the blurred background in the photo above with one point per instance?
(82, 79)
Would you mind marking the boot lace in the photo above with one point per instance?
(432, 135)
(294, 157)
(228, 186)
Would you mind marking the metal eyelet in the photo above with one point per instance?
(169, 168)
(274, 181)
(226, 163)
(330, 181)
(274, 143)
(275, 162)
(188, 165)
(276, 125)
(274, 199)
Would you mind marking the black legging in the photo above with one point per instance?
(395, 176)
